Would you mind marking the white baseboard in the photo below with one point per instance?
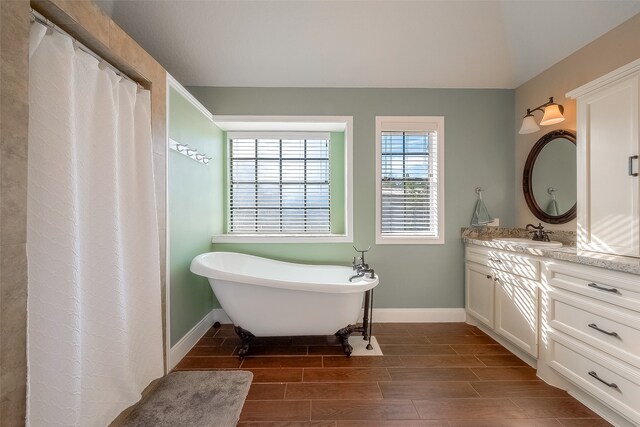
(600, 408)
(396, 315)
(417, 315)
(517, 351)
(186, 343)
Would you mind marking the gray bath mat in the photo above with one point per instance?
(202, 399)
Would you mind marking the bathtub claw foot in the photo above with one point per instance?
(246, 338)
(343, 337)
(347, 349)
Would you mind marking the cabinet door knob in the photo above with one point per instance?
(594, 375)
(602, 288)
(594, 326)
(488, 276)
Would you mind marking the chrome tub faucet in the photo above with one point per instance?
(361, 267)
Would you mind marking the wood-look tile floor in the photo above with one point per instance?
(431, 374)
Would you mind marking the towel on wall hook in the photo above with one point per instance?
(481, 215)
(552, 207)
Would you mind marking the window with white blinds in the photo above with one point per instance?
(279, 183)
(409, 180)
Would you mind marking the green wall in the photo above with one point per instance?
(195, 212)
(479, 151)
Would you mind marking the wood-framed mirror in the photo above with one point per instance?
(549, 180)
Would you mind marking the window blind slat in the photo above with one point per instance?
(409, 184)
(279, 185)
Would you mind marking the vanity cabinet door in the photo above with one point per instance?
(517, 311)
(479, 292)
(608, 181)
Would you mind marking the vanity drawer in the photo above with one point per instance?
(505, 261)
(609, 328)
(615, 384)
(622, 289)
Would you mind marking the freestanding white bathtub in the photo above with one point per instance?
(269, 298)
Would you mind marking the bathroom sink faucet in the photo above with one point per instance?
(538, 232)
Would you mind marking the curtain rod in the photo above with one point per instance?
(102, 63)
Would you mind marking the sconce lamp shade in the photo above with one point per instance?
(552, 115)
(529, 125)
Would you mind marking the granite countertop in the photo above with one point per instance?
(483, 237)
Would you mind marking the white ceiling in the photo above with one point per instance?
(390, 43)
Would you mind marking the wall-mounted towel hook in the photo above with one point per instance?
(190, 152)
(481, 215)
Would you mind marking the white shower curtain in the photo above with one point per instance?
(94, 309)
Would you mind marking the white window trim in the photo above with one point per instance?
(280, 135)
(410, 123)
(282, 238)
(265, 124)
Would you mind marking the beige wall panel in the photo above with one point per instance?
(14, 114)
(613, 50)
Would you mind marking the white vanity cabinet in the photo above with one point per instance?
(479, 292)
(594, 333)
(502, 293)
(516, 310)
(581, 323)
(608, 145)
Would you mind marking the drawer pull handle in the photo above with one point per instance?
(495, 260)
(631, 159)
(594, 326)
(594, 375)
(602, 288)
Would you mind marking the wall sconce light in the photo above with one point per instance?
(552, 115)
